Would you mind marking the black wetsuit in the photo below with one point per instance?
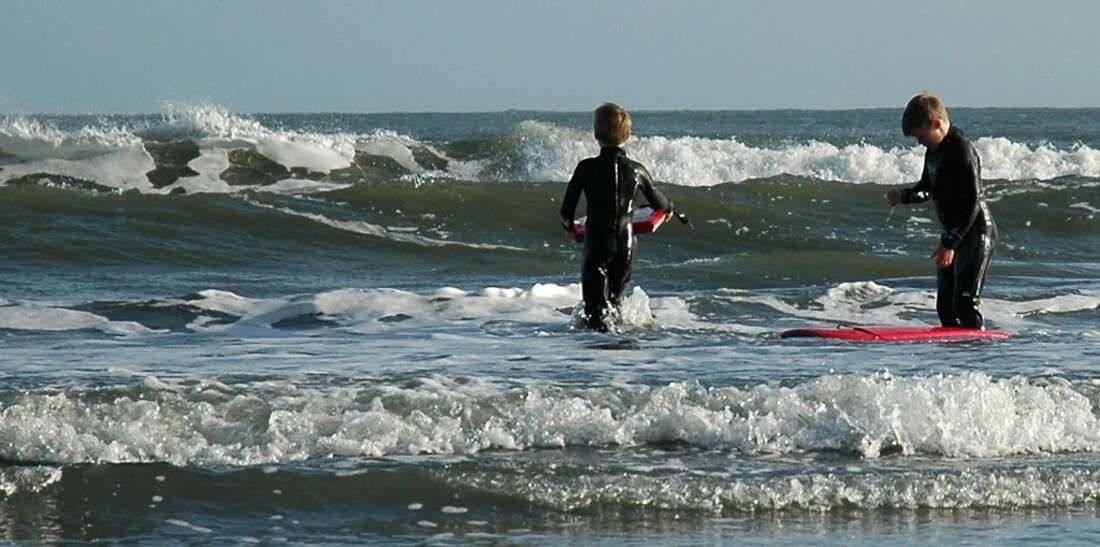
(609, 183)
(952, 178)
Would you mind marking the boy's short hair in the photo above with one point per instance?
(921, 111)
(612, 125)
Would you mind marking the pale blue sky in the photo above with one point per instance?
(134, 56)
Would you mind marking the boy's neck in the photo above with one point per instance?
(940, 135)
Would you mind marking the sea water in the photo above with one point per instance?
(364, 329)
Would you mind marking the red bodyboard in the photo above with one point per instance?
(896, 334)
(646, 221)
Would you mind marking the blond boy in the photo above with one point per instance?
(609, 183)
(952, 179)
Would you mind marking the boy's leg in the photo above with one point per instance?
(594, 290)
(945, 296)
(618, 276)
(971, 263)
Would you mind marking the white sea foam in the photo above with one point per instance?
(552, 153)
(38, 317)
(865, 302)
(1004, 159)
(115, 157)
(208, 166)
(396, 147)
(869, 303)
(691, 161)
(549, 308)
(236, 422)
(720, 493)
(1084, 300)
(399, 234)
(220, 129)
(390, 309)
(966, 415)
(188, 526)
(109, 156)
(299, 186)
(14, 480)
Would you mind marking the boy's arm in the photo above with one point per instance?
(919, 193)
(572, 197)
(969, 177)
(656, 199)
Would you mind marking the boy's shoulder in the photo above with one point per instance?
(585, 163)
(636, 164)
(957, 141)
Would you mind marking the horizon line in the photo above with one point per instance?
(547, 111)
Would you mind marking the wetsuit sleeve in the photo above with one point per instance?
(968, 177)
(656, 199)
(572, 198)
(919, 193)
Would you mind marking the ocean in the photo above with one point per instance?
(226, 328)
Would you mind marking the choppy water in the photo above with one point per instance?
(361, 329)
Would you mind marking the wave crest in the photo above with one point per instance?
(209, 149)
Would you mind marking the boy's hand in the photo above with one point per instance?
(893, 197)
(943, 257)
(569, 226)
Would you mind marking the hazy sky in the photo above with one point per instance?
(134, 56)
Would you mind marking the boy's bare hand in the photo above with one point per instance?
(943, 257)
(893, 197)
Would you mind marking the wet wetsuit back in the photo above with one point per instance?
(609, 183)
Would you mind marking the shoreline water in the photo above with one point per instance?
(362, 329)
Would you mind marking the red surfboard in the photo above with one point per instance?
(646, 221)
(884, 333)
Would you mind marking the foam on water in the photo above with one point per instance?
(1004, 159)
(42, 318)
(384, 310)
(396, 147)
(966, 415)
(553, 152)
(472, 397)
(208, 166)
(220, 129)
(549, 307)
(870, 303)
(865, 303)
(974, 488)
(1085, 300)
(114, 156)
(28, 479)
(693, 161)
(392, 233)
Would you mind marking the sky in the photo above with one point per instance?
(253, 56)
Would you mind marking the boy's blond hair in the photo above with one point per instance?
(612, 125)
(921, 111)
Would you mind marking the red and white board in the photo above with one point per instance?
(884, 333)
(646, 221)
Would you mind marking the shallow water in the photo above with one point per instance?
(363, 329)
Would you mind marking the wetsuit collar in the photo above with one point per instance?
(952, 133)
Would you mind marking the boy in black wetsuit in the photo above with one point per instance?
(952, 178)
(609, 183)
